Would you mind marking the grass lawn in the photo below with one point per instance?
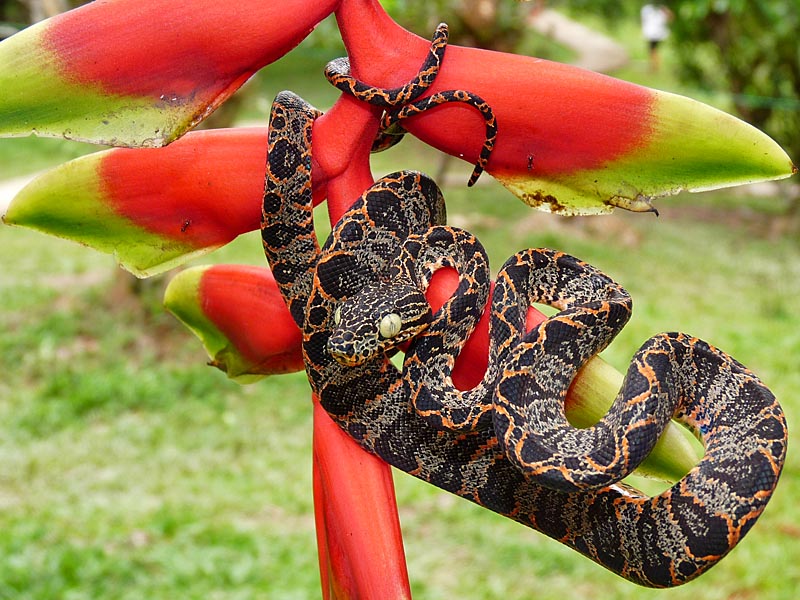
(129, 469)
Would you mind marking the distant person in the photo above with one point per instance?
(655, 29)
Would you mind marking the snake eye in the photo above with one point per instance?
(337, 315)
(390, 325)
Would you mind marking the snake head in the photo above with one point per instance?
(376, 320)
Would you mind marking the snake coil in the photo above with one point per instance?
(506, 445)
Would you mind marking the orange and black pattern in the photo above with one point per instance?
(404, 102)
(506, 444)
(337, 72)
(287, 226)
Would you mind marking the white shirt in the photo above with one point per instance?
(655, 22)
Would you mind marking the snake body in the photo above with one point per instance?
(506, 445)
(403, 102)
(337, 72)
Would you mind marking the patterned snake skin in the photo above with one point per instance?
(506, 444)
(402, 102)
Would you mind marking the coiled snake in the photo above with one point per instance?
(506, 444)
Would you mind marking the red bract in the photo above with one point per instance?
(201, 49)
(202, 189)
(273, 349)
(542, 106)
(153, 208)
(226, 305)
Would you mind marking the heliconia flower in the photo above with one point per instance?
(141, 72)
(569, 141)
(153, 208)
(226, 307)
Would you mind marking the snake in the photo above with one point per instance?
(506, 444)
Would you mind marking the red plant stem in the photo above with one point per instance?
(359, 539)
(342, 141)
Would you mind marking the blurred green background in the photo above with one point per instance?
(129, 469)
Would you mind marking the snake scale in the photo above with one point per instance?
(506, 444)
(403, 102)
